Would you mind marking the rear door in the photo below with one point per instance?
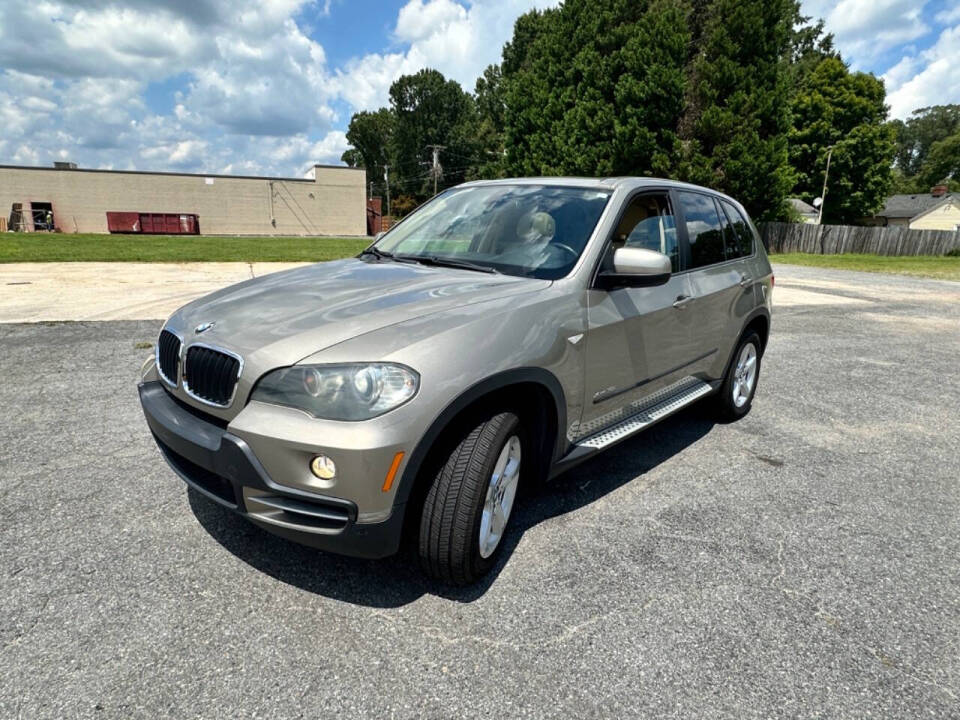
(718, 269)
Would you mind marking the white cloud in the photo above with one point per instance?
(75, 75)
(866, 29)
(459, 41)
(930, 78)
(870, 31)
(329, 150)
(364, 82)
(418, 20)
(59, 40)
(948, 16)
(257, 94)
(274, 86)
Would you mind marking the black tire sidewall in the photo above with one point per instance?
(449, 541)
(510, 426)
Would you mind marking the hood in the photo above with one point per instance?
(281, 318)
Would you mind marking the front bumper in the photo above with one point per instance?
(221, 465)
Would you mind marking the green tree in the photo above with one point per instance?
(833, 107)
(531, 71)
(595, 88)
(737, 118)
(942, 164)
(431, 110)
(370, 134)
(809, 45)
(916, 136)
(491, 108)
(699, 90)
(489, 97)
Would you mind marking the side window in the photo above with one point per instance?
(648, 223)
(741, 229)
(703, 229)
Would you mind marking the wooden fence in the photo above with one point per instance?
(836, 239)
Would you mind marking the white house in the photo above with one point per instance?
(936, 210)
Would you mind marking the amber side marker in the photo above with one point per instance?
(392, 472)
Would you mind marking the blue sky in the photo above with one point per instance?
(268, 86)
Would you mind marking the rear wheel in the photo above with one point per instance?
(740, 383)
(470, 501)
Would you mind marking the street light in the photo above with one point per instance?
(823, 195)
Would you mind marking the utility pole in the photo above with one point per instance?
(436, 170)
(386, 177)
(823, 196)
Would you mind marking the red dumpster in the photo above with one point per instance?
(159, 223)
(123, 222)
(189, 225)
(169, 224)
(155, 223)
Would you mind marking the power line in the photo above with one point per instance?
(461, 156)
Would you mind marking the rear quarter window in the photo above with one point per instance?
(743, 235)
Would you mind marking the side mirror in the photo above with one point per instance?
(636, 267)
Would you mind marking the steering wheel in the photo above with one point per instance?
(573, 253)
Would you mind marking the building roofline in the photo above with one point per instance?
(910, 212)
(949, 198)
(176, 174)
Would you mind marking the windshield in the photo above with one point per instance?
(529, 230)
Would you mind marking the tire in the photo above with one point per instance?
(740, 383)
(458, 538)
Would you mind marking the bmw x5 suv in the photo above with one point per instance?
(499, 335)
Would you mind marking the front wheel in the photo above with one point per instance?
(740, 383)
(468, 506)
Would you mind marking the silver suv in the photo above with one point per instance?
(499, 335)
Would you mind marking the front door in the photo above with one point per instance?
(638, 339)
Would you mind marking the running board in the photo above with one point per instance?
(688, 394)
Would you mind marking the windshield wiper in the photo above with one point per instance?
(438, 261)
(373, 250)
(384, 255)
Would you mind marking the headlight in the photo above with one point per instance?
(357, 391)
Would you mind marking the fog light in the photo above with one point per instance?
(323, 467)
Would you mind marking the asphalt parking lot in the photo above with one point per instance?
(804, 562)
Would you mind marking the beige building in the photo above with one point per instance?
(936, 210)
(330, 201)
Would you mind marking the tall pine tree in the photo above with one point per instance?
(595, 88)
(692, 89)
(737, 114)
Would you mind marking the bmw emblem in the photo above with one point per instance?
(203, 327)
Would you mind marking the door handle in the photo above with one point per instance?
(681, 302)
(745, 280)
